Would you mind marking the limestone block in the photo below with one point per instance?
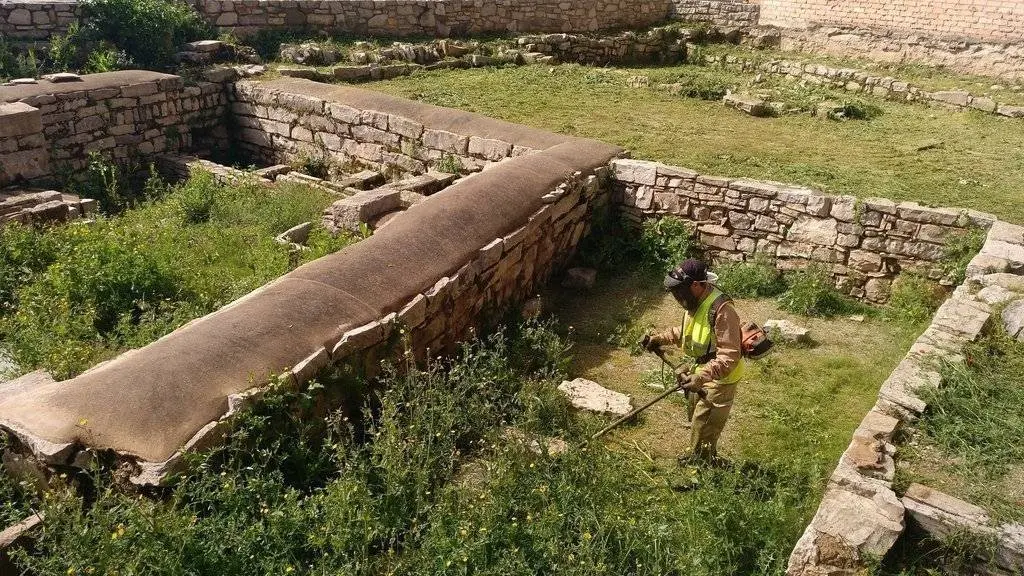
(19, 119)
(1012, 282)
(847, 531)
(952, 97)
(489, 148)
(25, 164)
(1013, 320)
(819, 231)
(635, 171)
(996, 295)
(747, 104)
(588, 395)
(445, 141)
(1010, 111)
(906, 379)
(349, 213)
(787, 331)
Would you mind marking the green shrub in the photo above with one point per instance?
(609, 246)
(812, 292)
(317, 164)
(102, 59)
(753, 279)
(958, 251)
(450, 164)
(665, 242)
(197, 198)
(914, 298)
(149, 32)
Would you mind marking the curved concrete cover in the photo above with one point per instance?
(147, 403)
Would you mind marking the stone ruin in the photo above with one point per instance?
(450, 248)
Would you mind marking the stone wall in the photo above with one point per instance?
(440, 18)
(23, 153)
(507, 270)
(865, 243)
(993, 58)
(274, 126)
(859, 81)
(118, 114)
(981, 20)
(38, 20)
(718, 12)
(659, 45)
(861, 517)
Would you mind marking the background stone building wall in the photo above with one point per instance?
(980, 20)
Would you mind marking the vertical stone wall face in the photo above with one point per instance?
(272, 126)
(23, 153)
(985, 20)
(865, 243)
(718, 12)
(38, 20)
(123, 114)
(432, 17)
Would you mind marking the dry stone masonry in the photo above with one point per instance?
(862, 82)
(118, 114)
(865, 243)
(861, 517)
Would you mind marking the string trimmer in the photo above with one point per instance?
(702, 393)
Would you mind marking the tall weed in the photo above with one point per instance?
(753, 279)
(914, 298)
(812, 292)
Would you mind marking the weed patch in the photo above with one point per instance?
(914, 298)
(77, 294)
(958, 251)
(811, 292)
(754, 279)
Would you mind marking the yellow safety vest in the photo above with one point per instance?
(698, 339)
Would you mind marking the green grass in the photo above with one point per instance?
(73, 295)
(978, 166)
(425, 483)
(968, 441)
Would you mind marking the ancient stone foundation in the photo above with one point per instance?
(865, 243)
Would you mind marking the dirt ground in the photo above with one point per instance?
(806, 399)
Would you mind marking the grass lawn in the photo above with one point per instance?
(979, 164)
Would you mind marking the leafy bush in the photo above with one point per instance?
(914, 298)
(149, 32)
(665, 242)
(812, 292)
(958, 251)
(197, 197)
(610, 245)
(317, 164)
(17, 65)
(450, 164)
(753, 279)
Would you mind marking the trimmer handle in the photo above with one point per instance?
(661, 354)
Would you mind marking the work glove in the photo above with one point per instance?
(650, 343)
(688, 382)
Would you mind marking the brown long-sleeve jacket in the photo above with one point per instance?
(728, 344)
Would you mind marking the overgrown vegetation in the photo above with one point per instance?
(426, 483)
(758, 278)
(914, 298)
(812, 292)
(112, 35)
(76, 294)
(958, 251)
(619, 247)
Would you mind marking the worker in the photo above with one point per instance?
(710, 336)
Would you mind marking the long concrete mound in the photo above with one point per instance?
(147, 404)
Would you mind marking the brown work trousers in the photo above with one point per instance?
(709, 418)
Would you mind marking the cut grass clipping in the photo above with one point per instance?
(426, 483)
